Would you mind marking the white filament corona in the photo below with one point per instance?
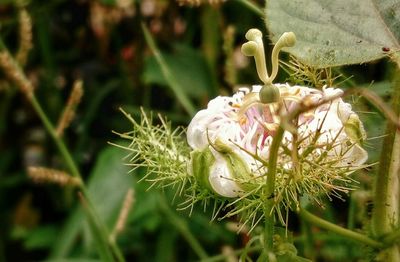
(246, 126)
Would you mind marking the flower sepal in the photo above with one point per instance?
(200, 162)
(355, 129)
(221, 170)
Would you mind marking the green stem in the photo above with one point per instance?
(270, 190)
(223, 257)
(252, 7)
(351, 217)
(101, 242)
(182, 227)
(100, 227)
(169, 77)
(339, 230)
(57, 140)
(386, 213)
(392, 237)
(15, 73)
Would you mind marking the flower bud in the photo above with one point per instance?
(221, 170)
(354, 129)
(200, 162)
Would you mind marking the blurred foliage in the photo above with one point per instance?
(102, 43)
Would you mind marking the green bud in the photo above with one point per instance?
(221, 147)
(354, 129)
(204, 163)
(269, 94)
(236, 165)
(200, 164)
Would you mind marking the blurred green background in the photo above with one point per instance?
(102, 43)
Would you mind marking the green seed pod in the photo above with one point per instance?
(354, 129)
(269, 94)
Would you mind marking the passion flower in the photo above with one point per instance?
(235, 134)
(331, 132)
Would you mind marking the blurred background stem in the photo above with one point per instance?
(252, 6)
(338, 230)
(385, 217)
(18, 77)
(183, 229)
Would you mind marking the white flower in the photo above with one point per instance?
(246, 126)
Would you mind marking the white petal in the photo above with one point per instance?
(344, 111)
(256, 88)
(221, 179)
(331, 92)
(356, 156)
(196, 132)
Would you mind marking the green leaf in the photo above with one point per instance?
(41, 237)
(73, 260)
(99, 233)
(340, 32)
(168, 74)
(108, 183)
(186, 63)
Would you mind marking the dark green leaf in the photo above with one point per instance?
(186, 63)
(340, 32)
(109, 181)
(41, 237)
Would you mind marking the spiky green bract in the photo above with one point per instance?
(159, 149)
(165, 154)
(304, 173)
(307, 174)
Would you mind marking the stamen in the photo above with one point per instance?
(243, 120)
